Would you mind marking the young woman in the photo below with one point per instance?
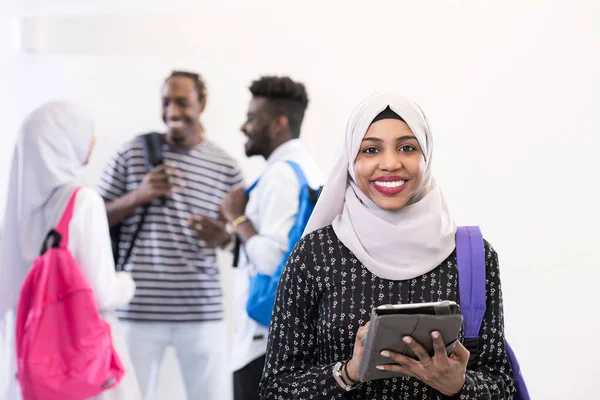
(54, 145)
(381, 233)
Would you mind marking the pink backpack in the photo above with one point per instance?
(64, 348)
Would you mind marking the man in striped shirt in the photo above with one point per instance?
(178, 299)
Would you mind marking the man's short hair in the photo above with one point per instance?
(287, 97)
(196, 78)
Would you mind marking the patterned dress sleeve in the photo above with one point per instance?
(291, 370)
(492, 377)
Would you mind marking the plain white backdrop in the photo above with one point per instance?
(511, 90)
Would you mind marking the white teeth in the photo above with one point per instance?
(389, 184)
(175, 124)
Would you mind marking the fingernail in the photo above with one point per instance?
(407, 340)
(381, 368)
(385, 353)
(435, 335)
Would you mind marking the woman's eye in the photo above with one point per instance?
(370, 150)
(407, 149)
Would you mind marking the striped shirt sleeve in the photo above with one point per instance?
(237, 178)
(113, 183)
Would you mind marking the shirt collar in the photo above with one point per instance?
(283, 151)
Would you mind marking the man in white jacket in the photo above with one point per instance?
(262, 225)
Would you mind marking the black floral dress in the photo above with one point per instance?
(325, 294)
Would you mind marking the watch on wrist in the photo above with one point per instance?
(337, 374)
(229, 246)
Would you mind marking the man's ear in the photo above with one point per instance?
(279, 126)
(203, 102)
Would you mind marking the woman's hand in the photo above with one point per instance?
(444, 374)
(357, 355)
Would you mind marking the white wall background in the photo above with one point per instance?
(8, 65)
(510, 88)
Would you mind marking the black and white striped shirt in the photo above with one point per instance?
(176, 274)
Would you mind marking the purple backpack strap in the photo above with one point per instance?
(470, 257)
(522, 392)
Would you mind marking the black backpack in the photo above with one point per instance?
(152, 146)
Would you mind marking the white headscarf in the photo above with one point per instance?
(397, 244)
(53, 145)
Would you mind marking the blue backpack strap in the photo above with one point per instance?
(305, 207)
(299, 174)
(470, 256)
(297, 170)
(251, 187)
(263, 288)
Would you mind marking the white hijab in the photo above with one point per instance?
(399, 244)
(53, 145)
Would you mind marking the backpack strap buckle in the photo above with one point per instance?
(52, 241)
(314, 194)
(472, 344)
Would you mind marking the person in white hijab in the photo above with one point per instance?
(420, 227)
(53, 147)
(380, 233)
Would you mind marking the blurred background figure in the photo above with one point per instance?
(272, 130)
(179, 297)
(55, 144)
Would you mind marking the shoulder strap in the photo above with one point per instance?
(251, 187)
(313, 193)
(301, 179)
(152, 148)
(471, 278)
(152, 145)
(63, 225)
(298, 171)
(470, 256)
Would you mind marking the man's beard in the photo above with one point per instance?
(259, 146)
(178, 139)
